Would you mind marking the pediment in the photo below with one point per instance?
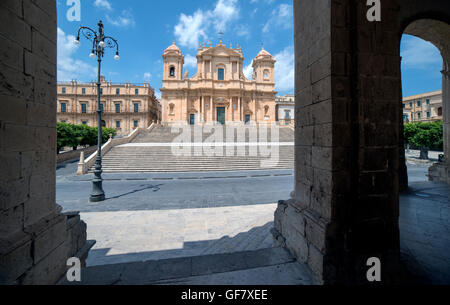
(221, 51)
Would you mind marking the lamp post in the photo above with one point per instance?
(99, 43)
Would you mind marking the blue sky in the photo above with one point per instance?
(146, 28)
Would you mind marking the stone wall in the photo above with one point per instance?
(74, 154)
(35, 238)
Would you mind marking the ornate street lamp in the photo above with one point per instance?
(99, 43)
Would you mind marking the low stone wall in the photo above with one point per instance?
(439, 172)
(84, 165)
(74, 154)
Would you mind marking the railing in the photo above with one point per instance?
(84, 165)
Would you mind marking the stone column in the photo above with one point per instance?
(256, 107)
(211, 104)
(36, 238)
(239, 108)
(344, 207)
(200, 110)
(446, 115)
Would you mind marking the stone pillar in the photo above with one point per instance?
(200, 110)
(256, 108)
(36, 239)
(344, 207)
(446, 114)
(211, 104)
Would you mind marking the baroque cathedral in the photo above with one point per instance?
(219, 91)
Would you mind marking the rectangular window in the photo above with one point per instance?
(83, 108)
(136, 91)
(117, 124)
(428, 102)
(221, 74)
(136, 124)
(418, 103)
(428, 114)
(136, 108)
(63, 107)
(63, 90)
(118, 91)
(117, 108)
(83, 91)
(410, 104)
(84, 123)
(287, 115)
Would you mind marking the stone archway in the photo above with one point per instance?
(438, 32)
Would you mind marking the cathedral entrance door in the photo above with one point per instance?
(221, 115)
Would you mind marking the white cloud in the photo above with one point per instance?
(248, 71)
(147, 76)
(190, 61)
(419, 54)
(68, 67)
(282, 17)
(192, 28)
(126, 19)
(224, 12)
(285, 70)
(103, 4)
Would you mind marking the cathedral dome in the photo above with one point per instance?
(173, 48)
(263, 53)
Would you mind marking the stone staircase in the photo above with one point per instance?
(272, 266)
(153, 152)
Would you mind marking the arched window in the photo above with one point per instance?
(266, 74)
(266, 110)
(171, 108)
(172, 72)
(440, 111)
(221, 74)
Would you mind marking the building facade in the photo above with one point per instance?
(285, 109)
(219, 91)
(125, 106)
(426, 107)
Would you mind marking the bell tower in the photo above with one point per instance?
(264, 67)
(173, 63)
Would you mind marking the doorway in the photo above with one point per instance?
(221, 115)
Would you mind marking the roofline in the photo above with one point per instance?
(426, 94)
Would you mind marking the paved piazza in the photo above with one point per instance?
(164, 234)
(172, 217)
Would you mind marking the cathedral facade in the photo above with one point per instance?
(219, 91)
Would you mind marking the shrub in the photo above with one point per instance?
(70, 135)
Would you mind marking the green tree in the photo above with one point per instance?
(70, 135)
(424, 136)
